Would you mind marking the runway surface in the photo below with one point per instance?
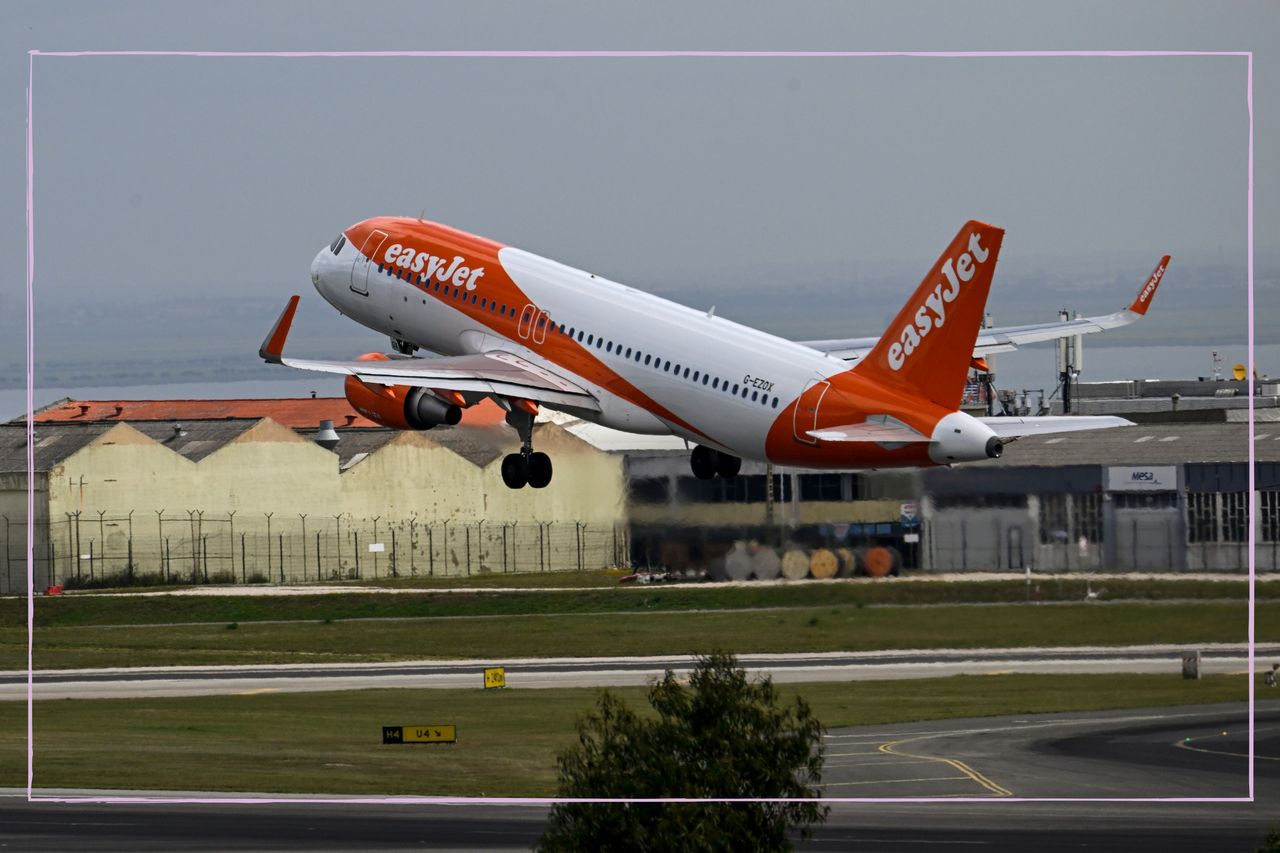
(1144, 753)
(609, 672)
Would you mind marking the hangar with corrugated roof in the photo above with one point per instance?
(241, 499)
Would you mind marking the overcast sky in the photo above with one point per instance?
(161, 176)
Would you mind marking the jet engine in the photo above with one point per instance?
(399, 406)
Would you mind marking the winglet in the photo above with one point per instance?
(273, 345)
(1148, 291)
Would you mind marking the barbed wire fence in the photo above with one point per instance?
(194, 546)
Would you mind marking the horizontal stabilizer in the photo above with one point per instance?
(1005, 427)
(880, 429)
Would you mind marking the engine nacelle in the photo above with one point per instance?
(399, 406)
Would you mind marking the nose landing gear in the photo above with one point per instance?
(526, 467)
(707, 463)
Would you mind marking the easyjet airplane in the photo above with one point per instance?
(529, 332)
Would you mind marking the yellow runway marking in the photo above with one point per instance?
(894, 781)
(847, 754)
(891, 748)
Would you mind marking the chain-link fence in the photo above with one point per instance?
(194, 546)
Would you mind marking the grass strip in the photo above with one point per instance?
(507, 740)
(136, 610)
(829, 629)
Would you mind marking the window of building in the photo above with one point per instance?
(821, 487)
(1235, 516)
(993, 501)
(1202, 517)
(649, 490)
(1055, 528)
(1088, 516)
(1145, 500)
(1269, 513)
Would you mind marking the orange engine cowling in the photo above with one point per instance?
(399, 406)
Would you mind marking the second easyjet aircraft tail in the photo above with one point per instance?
(928, 346)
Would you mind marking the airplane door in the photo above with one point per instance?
(525, 326)
(805, 416)
(360, 266)
(540, 329)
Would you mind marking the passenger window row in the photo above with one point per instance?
(590, 339)
(665, 365)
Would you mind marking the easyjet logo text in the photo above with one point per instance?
(447, 272)
(933, 313)
(1151, 284)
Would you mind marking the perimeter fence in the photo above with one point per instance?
(159, 547)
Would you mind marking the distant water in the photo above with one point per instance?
(1029, 368)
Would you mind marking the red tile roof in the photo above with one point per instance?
(297, 413)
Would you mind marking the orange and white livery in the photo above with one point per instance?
(527, 331)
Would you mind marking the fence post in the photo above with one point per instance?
(166, 559)
(243, 578)
(578, 526)
(393, 554)
(281, 556)
(542, 563)
(504, 549)
(204, 554)
(431, 553)
(160, 540)
(231, 535)
(91, 559)
(317, 555)
(468, 532)
(480, 543)
(356, 535)
(303, 516)
(413, 543)
(268, 515)
(375, 539)
(102, 537)
(515, 547)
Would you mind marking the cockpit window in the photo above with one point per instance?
(338, 243)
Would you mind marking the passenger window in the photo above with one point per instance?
(754, 395)
(638, 354)
(666, 368)
(735, 389)
(608, 347)
(542, 322)
(580, 336)
(686, 374)
(590, 339)
(484, 303)
(715, 383)
(775, 402)
(628, 352)
(695, 375)
(647, 359)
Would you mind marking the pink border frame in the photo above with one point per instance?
(615, 54)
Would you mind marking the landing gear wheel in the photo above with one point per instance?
(703, 462)
(728, 466)
(539, 468)
(515, 471)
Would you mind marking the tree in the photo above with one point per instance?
(720, 738)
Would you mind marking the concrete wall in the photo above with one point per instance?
(13, 533)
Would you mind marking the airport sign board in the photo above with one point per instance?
(495, 677)
(1148, 478)
(420, 734)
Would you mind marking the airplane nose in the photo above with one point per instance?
(316, 268)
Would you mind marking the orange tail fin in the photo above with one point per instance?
(928, 346)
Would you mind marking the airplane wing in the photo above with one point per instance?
(1010, 428)
(1008, 338)
(883, 429)
(499, 373)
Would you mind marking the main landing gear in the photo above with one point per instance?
(526, 467)
(707, 463)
